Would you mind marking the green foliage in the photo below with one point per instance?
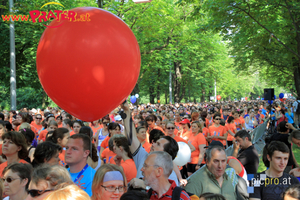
(181, 36)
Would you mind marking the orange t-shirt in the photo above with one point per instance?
(62, 157)
(129, 168)
(232, 128)
(96, 129)
(38, 127)
(238, 124)
(43, 135)
(60, 125)
(205, 131)
(72, 133)
(179, 139)
(3, 165)
(104, 143)
(147, 146)
(177, 124)
(218, 131)
(108, 155)
(197, 140)
(206, 122)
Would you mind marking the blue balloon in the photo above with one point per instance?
(281, 95)
(262, 99)
(270, 101)
(274, 96)
(132, 99)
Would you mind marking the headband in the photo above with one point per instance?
(113, 176)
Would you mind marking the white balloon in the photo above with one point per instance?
(137, 95)
(183, 154)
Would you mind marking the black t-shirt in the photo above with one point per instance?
(270, 188)
(285, 139)
(249, 158)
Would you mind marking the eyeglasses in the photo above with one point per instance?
(36, 193)
(38, 118)
(106, 123)
(171, 128)
(113, 188)
(146, 166)
(9, 179)
(217, 118)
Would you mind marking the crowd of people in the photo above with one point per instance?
(129, 153)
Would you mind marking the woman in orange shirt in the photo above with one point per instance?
(216, 131)
(14, 149)
(60, 136)
(231, 130)
(124, 157)
(197, 139)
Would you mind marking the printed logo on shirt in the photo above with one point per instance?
(216, 133)
(79, 184)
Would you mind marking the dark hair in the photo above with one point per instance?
(18, 139)
(243, 134)
(139, 128)
(8, 126)
(105, 117)
(29, 135)
(159, 117)
(48, 116)
(269, 150)
(58, 133)
(23, 170)
(134, 194)
(230, 119)
(212, 196)
(142, 123)
(122, 141)
(78, 122)
(203, 114)
(2, 116)
(45, 151)
(67, 115)
(151, 118)
(171, 147)
(86, 130)
(155, 135)
(86, 140)
(112, 126)
(68, 121)
(216, 115)
(59, 116)
(2, 123)
(282, 127)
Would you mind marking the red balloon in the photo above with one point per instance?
(88, 68)
(246, 98)
(158, 101)
(219, 97)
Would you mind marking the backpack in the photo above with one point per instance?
(298, 108)
(176, 194)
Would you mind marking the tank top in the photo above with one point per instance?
(243, 173)
(100, 139)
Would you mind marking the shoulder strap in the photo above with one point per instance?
(150, 192)
(176, 193)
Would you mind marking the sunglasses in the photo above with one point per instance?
(36, 193)
(171, 128)
(218, 119)
(9, 179)
(38, 118)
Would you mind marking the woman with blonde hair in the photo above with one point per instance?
(70, 192)
(109, 183)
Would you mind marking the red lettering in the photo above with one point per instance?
(34, 14)
(24, 17)
(51, 15)
(58, 14)
(15, 17)
(43, 16)
(64, 15)
(5, 17)
(72, 15)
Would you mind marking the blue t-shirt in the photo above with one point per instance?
(85, 180)
(290, 117)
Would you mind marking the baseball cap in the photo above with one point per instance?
(215, 143)
(118, 118)
(185, 121)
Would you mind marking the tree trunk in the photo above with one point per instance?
(177, 79)
(44, 99)
(166, 96)
(152, 95)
